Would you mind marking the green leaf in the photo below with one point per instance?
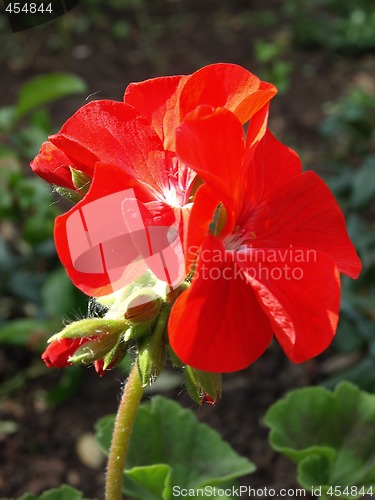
(362, 233)
(59, 296)
(330, 435)
(46, 88)
(364, 184)
(150, 482)
(7, 118)
(65, 387)
(26, 285)
(20, 332)
(28, 140)
(166, 434)
(64, 492)
(8, 262)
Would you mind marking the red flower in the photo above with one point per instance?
(59, 351)
(53, 166)
(130, 157)
(91, 340)
(131, 145)
(167, 100)
(278, 221)
(96, 132)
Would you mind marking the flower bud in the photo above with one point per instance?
(91, 327)
(144, 307)
(94, 349)
(151, 350)
(151, 358)
(112, 358)
(203, 387)
(59, 351)
(207, 400)
(172, 295)
(84, 341)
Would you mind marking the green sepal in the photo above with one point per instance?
(176, 362)
(117, 352)
(81, 181)
(152, 349)
(143, 307)
(91, 327)
(94, 349)
(139, 331)
(151, 359)
(199, 384)
(69, 194)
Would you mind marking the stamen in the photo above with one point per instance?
(238, 239)
(180, 180)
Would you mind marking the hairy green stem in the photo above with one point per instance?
(125, 418)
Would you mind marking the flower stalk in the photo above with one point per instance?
(127, 411)
(125, 419)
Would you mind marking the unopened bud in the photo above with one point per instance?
(115, 355)
(139, 330)
(94, 349)
(91, 327)
(173, 294)
(203, 387)
(144, 307)
(151, 356)
(207, 400)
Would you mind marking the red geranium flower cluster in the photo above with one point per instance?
(262, 244)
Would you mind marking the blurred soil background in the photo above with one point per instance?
(321, 55)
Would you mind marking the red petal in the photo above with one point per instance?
(157, 99)
(161, 241)
(301, 298)
(212, 143)
(107, 181)
(268, 164)
(257, 126)
(111, 238)
(53, 166)
(217, 325)
(58, 352)
(229, 86)
(201, 216)
(115, 133)
(304, 213)
(99, 366)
